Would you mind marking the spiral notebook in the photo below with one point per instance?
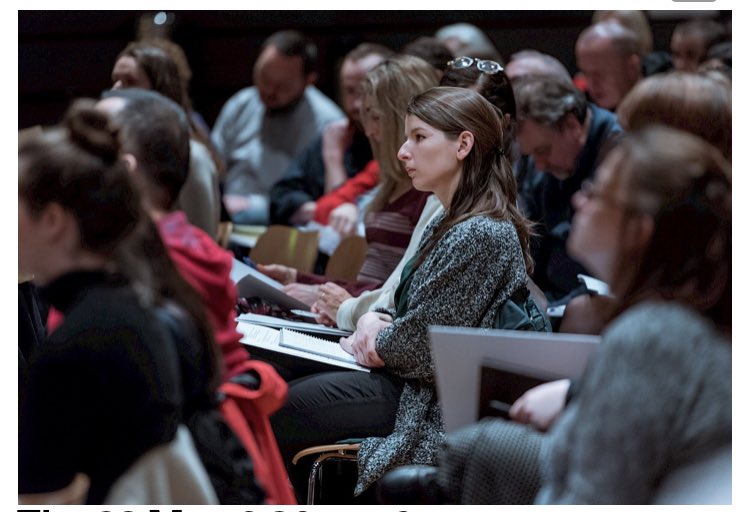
(297, 344)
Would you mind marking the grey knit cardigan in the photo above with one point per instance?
(471, 271)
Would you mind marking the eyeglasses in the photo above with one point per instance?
(489, 67)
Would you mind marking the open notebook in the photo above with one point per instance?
(296, 344)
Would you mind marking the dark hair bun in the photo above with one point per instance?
(90, 130)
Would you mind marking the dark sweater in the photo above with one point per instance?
(304, 180)
(546, 201)
(105, 388)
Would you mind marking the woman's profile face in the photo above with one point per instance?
(430, 158)
(372, 118)
(596, 236)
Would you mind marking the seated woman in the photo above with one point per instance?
(337, 307)
(663, 199)
(683, 100)
(656, 224)
(160, 65)
(114, 380)
(395, 209)
(471, 259)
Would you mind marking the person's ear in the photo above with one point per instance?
(465, 144)
(311, 78)
(130, 161)
(54, 222)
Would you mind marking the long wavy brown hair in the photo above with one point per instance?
(486, 186)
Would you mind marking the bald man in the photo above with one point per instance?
(607, 55)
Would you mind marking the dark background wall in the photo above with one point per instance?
(68, 54)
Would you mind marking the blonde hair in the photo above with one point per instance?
(392, 83)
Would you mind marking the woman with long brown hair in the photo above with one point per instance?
(470, 261)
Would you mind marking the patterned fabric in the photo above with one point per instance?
(493, 462)
(388, 233)
(472, 270)
(655, 397)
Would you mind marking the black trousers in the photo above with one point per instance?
(327, 407)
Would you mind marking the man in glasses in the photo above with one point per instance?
(564, 137)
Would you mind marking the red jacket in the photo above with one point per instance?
(206, 267)
(352, 188)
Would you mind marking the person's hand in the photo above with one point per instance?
(337, 136)
(322, 318)
(587, 314)
(361, 344)
(280, 273)
(306, 293)
(343, 219)
(330, 298)
(541, 405)
(304, 214)
(236, 203)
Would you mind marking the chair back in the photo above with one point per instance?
(347, 259)
(287, 246)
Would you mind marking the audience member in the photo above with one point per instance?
(113, 378)
(339, 153)
(493, 86)
(652, 62)
(471, 259)
(488, 78)
(467, 39)
(692, 39)
(395, 210)
(699, 103)
(565, 138)
(431, 50)
(160, 65)
(636, 21)
(607, 55)
(261, 129)
(154, 137)
(535, 63)
(660, 189)
(656, 225)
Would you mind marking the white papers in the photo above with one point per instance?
(280, 323)
(314, 345)
(594, 285)
(252, 283)
(268, 339)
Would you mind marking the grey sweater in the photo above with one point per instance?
(472, 270)
(657, 395)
